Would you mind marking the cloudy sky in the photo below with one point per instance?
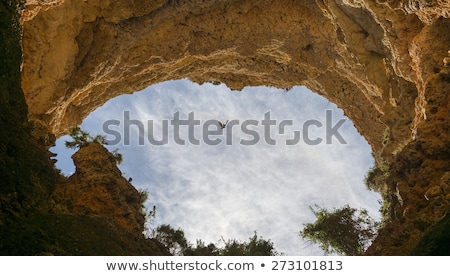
(230, 191)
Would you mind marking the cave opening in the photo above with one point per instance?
(257, 178)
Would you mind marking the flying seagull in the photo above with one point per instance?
(222, 125)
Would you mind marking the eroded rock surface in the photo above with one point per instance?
(384, 62)
(97, 188)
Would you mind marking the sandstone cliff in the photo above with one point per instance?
(385, 63)
(98, 188)
(31, 222)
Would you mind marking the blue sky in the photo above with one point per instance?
(230, 191)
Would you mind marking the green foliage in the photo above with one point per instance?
(176, 243)
(82, 138)
(376, 180)
(150, 215)
(372, 180)
(173, 239)
(201, 249)
(144, 195)
(344, 231)
(256, 246)
(118, 156)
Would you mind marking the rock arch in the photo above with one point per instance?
(382, 63)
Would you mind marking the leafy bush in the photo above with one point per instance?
(82, 138)
(345, 231)
(177, 244)
(256, 246)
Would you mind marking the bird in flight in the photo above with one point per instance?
(222, 125)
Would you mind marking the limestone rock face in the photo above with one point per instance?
(33, 7)
(385, 63)
(98, 188)
(372, 59)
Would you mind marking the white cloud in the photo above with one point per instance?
(231, 191)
